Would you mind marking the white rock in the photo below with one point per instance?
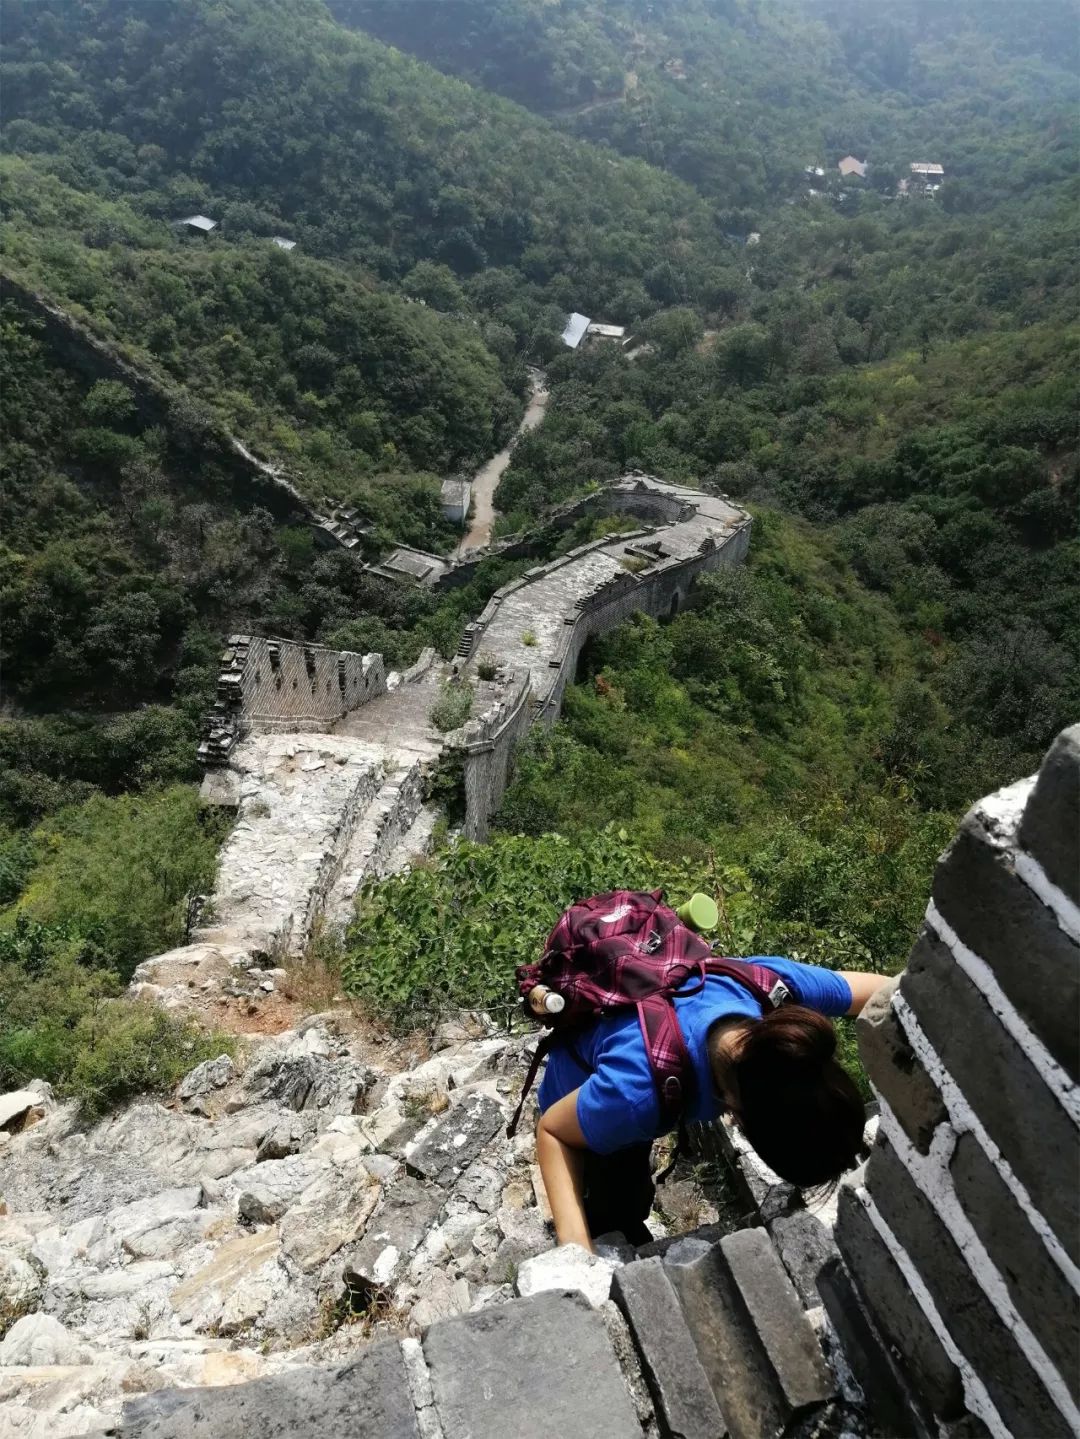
(40, 1339)
(568, 1267)
(16, 1104)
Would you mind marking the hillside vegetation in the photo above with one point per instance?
(887, 380)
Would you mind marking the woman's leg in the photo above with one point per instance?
(619, 1192)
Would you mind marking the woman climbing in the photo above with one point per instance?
(773, 1069)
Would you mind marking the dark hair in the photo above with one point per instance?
(797, 1106)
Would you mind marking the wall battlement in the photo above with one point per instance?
(963, 1234)
(274, 686)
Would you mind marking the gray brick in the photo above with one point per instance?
(805, 1246)
(1018, 1393)
(896, 1312)
(1050, 830)
(1002, 920)
(1000, 1083)
(532, 1368)
(1038, 1288)
(895, 1071)
(685, 1404)
(445, 1153)
(774, 1310)
(368, 1399)
(738, 1372)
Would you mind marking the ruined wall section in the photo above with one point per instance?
(269, 686)
(963, 1235)
(588, 591)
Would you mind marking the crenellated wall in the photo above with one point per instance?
(963, 1234)
(538, 624)
(274, 685)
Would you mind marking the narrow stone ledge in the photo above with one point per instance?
(896, 1072)
(896, 1312)
(978, 892)
(1049, 830)
(999, 1082)
(1016, 1390)
(1038, 1287)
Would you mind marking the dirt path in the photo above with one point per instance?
(486, 480)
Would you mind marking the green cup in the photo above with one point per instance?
(699, 912)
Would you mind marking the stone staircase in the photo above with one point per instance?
(288, 864)
(706, 1339)
(382, 828)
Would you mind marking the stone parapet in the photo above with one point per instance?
(276, 686)
(961, 1236)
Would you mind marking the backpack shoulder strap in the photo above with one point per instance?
(669, 1058)
(764, 984)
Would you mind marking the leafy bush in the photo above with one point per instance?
(62, 1019)
(451, 709)
(119, 871)
(451, 934)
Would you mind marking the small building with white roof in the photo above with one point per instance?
(455, 496)
(283, 244)
(197, 224)
(576, 326)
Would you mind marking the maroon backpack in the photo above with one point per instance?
(626, 950)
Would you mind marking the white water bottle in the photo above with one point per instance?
(545, 1001)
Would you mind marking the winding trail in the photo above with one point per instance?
(486, 481)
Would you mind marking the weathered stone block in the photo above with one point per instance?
(895, 1071)
(456, 1140)
(569, 1267)
(1049, 830)
(368, 1399)
(977, 891)
(896, 1311)
(408, 1210)
(1041, 1293)
(326, 1217)
(1001, 1084)
(532, 1368)
(805, 1246)
(729, 1343)
(1018, 1393)
(685, 1403)
(894, 1405)
(777, 1317)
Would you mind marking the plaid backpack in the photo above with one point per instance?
(626, 950)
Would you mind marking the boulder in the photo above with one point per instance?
(569, 1267)
(234, 1288)
(39, 1339)
(448, 1150)
(407, 1211)
(329, 1214)
(21, 1106)
(201, 1082)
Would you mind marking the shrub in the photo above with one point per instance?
(63, 1019)
(528, 639)
(120, 870)
(451, 709)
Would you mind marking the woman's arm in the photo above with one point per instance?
(862, 987)
(560, 1152)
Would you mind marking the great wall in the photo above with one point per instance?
(330, 1233)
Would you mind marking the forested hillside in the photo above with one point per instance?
(886, 378)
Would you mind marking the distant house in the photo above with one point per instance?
(596, 331)
(197, 224)
(283, 244)
(816, 172)
(410, 567)
(455, 498)
(754, 237)
(850, 166)
(576, 327)
(926, 174)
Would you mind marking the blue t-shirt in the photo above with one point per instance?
(617, 1104)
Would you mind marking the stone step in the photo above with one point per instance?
(755, 1344)
(378, 832)
(416, 841)
(529, 1369)
(367, 1399)
(686, 1406)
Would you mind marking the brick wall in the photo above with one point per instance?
(963, 1234)
(268, 685)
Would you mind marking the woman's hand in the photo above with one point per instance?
(862, 987)
(560, 1152)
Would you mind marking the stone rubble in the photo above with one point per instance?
(234, 1231)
